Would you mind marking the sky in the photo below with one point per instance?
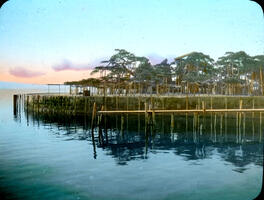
(54, 41)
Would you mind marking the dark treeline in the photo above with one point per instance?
(235, 73)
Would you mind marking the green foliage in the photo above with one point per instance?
(119, 65)
(144, 72)
(196, 67)
(234, 64)
(163, 71)
(124, 66)
(85, 82)
(240, 61)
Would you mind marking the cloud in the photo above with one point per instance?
(24, 73)
(67, 65)
(156, 59)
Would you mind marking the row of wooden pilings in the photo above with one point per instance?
(150, 112)
(150, 119)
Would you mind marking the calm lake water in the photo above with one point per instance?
(54, 157)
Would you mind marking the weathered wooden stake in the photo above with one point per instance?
(260, 126)
(93, 115)
(172, 122)
(122, 124)
(15, 104)
(240, 118)
(75, 105)
(85, 105)
(215, 128)
(221, 124)
(237, 119)
(153, 118)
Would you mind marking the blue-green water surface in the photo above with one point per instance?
(50, 156)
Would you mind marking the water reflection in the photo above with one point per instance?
(236, 139)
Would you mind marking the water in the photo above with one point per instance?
(54, 157)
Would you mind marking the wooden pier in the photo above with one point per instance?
(99, 107)
(135, 105)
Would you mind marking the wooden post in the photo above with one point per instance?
(33, 101)
(252, 120)
(153, 118)
(225, 119)
(117, 102)
(194, 122)
(244, 126)
(215, 128)
(122, 124)
(127, 102)
(198, 121)
(221, 124)
(195, 127)
(237, 116)
(253, 106)
(93, 115)
(75, 105)
(187, 102)
(15, 104)
(100, 138)
(105, 128)
(85, 105)
(94, 146)
(38, 103)
(261, 81)
(240, 103)
(100, 119)
(27, 100)
(138, 123)
(260, 126)
(146, 116)
(146, 108)
(172, 122)
(240, 117)
(203, 106)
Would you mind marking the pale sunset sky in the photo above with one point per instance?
(53, 41)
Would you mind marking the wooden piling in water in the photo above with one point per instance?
(27, 101)
(15, 104)
(221, 124)
(93, 115)
(240, 118)
(172, 122)
(75, 105)
(225, 119)
(138, 123)
(237, 119)
(85, 105)
(100, 119)
(153, 118)
(146, 116)
(252, 119)
(244, 126)
(215, 128)
(37, 103)
(260, 126)
(122, 124)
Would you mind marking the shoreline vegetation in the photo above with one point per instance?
(193, 82)
(235, 73)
